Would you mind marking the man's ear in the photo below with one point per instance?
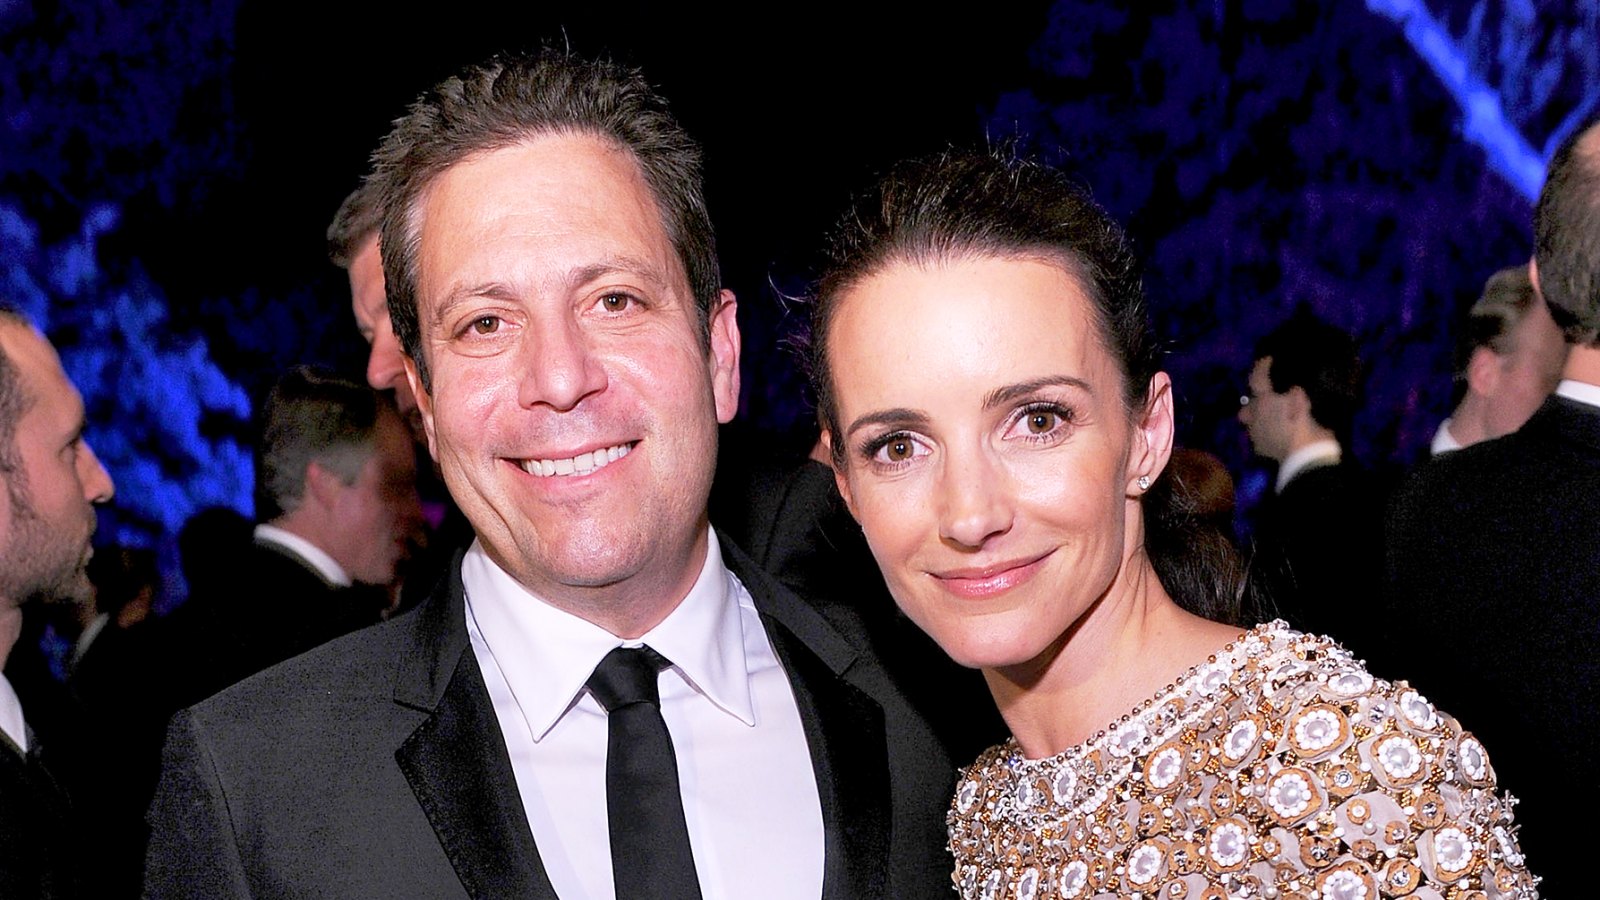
(1483, 372)
(1151, 447)
(1299, 405)
(725, 347)
(323, 486)
(424, 404)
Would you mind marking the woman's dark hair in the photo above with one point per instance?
(964, 204)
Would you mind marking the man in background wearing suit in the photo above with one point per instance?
(52, 481)
(552, 275)
(1508, 359)
(1316, 534)
(337, 502)
(353, 247)
(1494, 557)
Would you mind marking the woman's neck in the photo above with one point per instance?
(1130, 645)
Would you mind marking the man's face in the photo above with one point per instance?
(47, 508)
(382, 506)
(1265, 414)
(574, 407)
(1528, 373)
(386, 368)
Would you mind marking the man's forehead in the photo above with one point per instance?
(579, 203)
(30, 353)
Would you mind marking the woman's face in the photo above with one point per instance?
(988, 453)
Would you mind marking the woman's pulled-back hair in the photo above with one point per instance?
(988, 203)
(963, 204)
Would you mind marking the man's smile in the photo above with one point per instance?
(580, 464)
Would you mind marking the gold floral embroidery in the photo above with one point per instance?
(1278, 768)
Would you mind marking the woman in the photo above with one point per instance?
(992, 402)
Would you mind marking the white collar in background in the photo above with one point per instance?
(1581, 391)
(1314, 453)
(314, 556)
(1443, 440)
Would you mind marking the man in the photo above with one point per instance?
(552, 276)
(1508, 359)
(1315, 546)
(336, 496)
(353, 246)
(1494, 556)
(52, 482)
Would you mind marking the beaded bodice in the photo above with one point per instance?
(1277, 769)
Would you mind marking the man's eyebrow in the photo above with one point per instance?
(618, 264)
(575, 278)
(899, 417)
(1011, 392)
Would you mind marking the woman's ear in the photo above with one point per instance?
(1152, 436)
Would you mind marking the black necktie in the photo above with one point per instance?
(650, 855)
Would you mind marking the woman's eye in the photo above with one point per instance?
(1043, 421)
(895, 449)
(898, 450)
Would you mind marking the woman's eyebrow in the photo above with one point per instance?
(1005, 395)
(899, 417)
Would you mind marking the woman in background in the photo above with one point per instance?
(992, 401)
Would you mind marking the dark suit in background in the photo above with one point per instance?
(375, 767)
(276, 608)
(39, 852)
(1320, 552)
(1494, 612)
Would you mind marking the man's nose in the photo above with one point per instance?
(560, 367)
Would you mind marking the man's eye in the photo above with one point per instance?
(485, 325)
(616, 302)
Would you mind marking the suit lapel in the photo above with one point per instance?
(456, 763)
(844, 729)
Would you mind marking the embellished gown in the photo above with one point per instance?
(1278, 769)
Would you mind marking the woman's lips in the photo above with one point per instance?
(987, 581)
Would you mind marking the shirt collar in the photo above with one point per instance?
(547, 654)
(1324, 453)
(11, 721)
(314, 556)
(1581, 391)
(1443, 440)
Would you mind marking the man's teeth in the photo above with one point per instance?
(582, 464)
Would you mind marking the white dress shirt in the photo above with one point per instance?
(1581, 391)
(1316, 453)
(744, 767)
(313, 556)
(11, 715)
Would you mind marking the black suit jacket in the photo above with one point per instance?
(39, 852)
(277, 607)
(1493, 576)
(374, 767)
(1319, 551)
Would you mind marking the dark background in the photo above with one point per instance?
(167, 172)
